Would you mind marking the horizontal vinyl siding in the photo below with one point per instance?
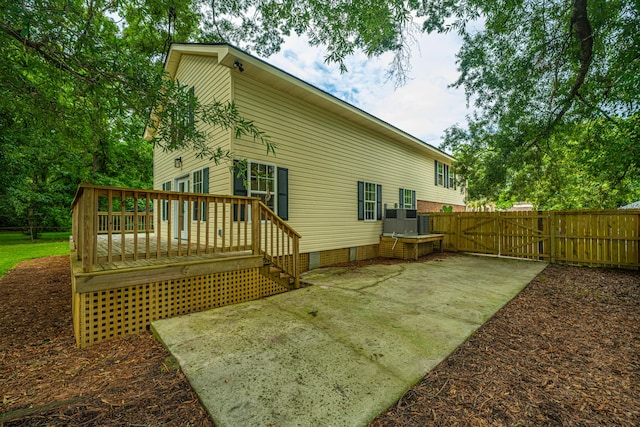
(211, 82)
(326, 157)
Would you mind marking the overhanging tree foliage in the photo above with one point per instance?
(555, 88)
(84, 76)
(553, 82)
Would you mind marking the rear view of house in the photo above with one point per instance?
(209, 235)
(335, 168)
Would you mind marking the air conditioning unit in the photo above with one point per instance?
(400, 222)
(391, 213)
(424, 226)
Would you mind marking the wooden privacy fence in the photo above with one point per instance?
(173, 224)
(608, 238)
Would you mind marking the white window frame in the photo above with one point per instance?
(166, 186)
(407, 193)
(269, 196)
(197, 179)
(370, 204)
(445, 175)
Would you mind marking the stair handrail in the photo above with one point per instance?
(288, 263)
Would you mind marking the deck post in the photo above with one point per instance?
(255, 227)
(296, 262)
(88, 229)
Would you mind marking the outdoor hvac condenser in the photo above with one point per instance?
(424, 226)
(400, 222)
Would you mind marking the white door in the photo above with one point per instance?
(181, 209)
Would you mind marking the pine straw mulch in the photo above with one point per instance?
(566, 351)
(46, 380)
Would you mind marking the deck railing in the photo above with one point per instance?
(131, 221)
(163, 224)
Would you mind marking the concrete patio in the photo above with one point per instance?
(342, 351)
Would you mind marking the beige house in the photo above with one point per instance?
(335, 168)
(192, 242)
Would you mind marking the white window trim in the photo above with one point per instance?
(410, 192)
(198, 187)
(164, 209)
(373, 203)
(257, 193)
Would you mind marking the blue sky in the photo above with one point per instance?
(424, 107)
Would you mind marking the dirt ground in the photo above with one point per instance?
(566, 351)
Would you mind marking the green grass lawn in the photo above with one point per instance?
(16, 247)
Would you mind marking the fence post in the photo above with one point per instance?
(638, 241)
(500, 232)
(540, 235)
(552, 233)
(458, 227)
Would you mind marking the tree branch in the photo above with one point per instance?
(581, 27)
(41, 48)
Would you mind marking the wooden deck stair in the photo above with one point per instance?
(278, 275)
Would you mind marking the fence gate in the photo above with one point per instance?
(524, 235)
(479, 233)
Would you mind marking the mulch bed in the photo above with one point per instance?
(566, 351)
(46, 380)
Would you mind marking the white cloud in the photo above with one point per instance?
(424, 107)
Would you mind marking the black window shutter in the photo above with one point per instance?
(283, 193)
(413, 200)
(379, 201)
(446, 176)
(239, 189)
(205, 180)
(205, 190)
(401, 198)
(192, 117)
(360, 201)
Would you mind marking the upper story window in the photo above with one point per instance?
(444, 176)
(439, 173)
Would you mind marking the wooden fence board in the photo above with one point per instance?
(608, 238)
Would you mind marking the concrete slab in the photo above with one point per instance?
(342, 351)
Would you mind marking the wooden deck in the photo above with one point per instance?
(147, 252)
(129, 269)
